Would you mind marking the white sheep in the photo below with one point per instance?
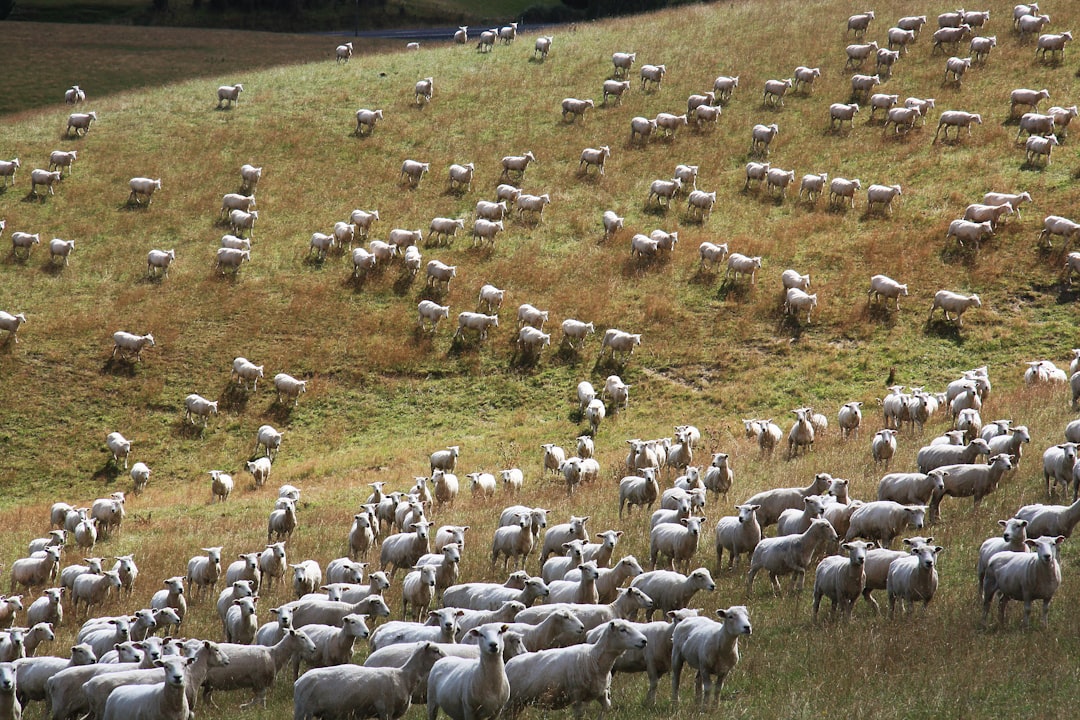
(881, 195)
(623, 62)
(1054, 43)
(143, 187)
(805, 77)
(789, 554)
(244, 370)
(203, 571)
(775, 91)
(1062, 117)
(978, 212)
(229, 94)
(1024, 576)
(575, 108)
(981, 46)
(955, 303)
(883, 520)
(652, 74)
(642, 128)
(839, 113)
(159, 260)
(8, 169)
(289, 386)
(228, 257)
(517, 164)
(439, 272)
(711, 648)
(957, 119)
(860, 22)
(594, 156)
(343, 52)
(863, 85)
(127, 343)
(841, 579)
(857, 54)
(898, 37)
(1037, 147)
(46, 178)
(1057, 225)
(25, 241)
(532, 203)
(74, 95)
(80, 121)
(167, 701)
(12, 323)
(615, 89)
(955, 67)
(461, 176)
(470, 689)
(1012, 539)
(542, 46)
(812, 185)
(950, 36)
(413, 171)
(738, 263)
(904, 117)
(58, 160)
(913, 578)
(761, 137)
(841, 189)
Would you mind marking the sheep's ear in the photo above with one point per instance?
(504, 628)
(471, 633)
(871, 545)
(722, 613)
(1003, 523)
(459, 613)
(618, 533)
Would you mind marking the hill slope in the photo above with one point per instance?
(381, 396)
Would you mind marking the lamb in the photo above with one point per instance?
(796, 300)
(954, 302)
(883, 520)
(74, 95)
(80, 121)
(269, 439)
(119, 446)
(956, 67)
(669, 590)
(678, 542)
(913, 578)
(1052, 43)
(46, 178)
(1024, 576)
(282, 521)
(789, 554)
(559, 677)
(841, 579)
(711, 648)
(229, 94)
(1037, 147)
(761, 137)
(805, 76)
(1058, 462)
(652, 74)
(255, 666)
(812, 185)
(956, 119)
(517, 164)
(1013, 538)
(776, 89)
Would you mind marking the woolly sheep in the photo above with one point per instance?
(669, 590)
(805, 76)
(711, 648)
(413, 171)
(913, 578)
(954, 302)
(841, 579)
(883, 520)
(58, 160)
(1013, 538)
(652, 74)
(775, 91)
(74, 95)
(1037, 147)
(839, 113)
(981, 46)
(955, 67)
(898, 37)
(857, 54)
(203, 571)
(1057, 225)
(517, 164)
(91, 590)
(46, 178)
(594, 156)
(796, 300)
(1054, 43)
(950, 36)
(860, 22)
(957, 119)
(80, 121)
(881, 195)
(1058, 462)
(230, 94)
(842, 188)
(677, 542)
(738, 263)
(789, 554)
(1024, 576)
(761, 137)
(35, 571)
(255, 666)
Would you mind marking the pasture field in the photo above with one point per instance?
(382, 395)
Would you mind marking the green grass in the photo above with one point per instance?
(381, 396)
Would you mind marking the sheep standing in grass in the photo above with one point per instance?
(74, 95)
(366, 118)
(127, 344)
(840, 113)
(789, 554)
(1023, 576)
(913, 578)
(1012, 539)
(143, 187)
(81, 122)
(841, 579)
(46, 178)
(1054, 43)
(711, 648)
(469, 689)
(761, 137)
(955, 68)
(804, 78)
(882, 195)
(955, 303)
(956, 119)
(623, 62)
(229, 94)
(343, 52)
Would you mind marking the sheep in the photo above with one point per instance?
(882, 101)
(92, 590)
(46, 178)
(26, 241)
(517, 164)
(776, 179)
(249, 178)
(841, 579)
(883, 520)
(203, 572)
(1049, 519)
(575, 108)
(812, 185)
(244, 370)
(901, 117)
(141, 187)
(850, 418)
(738, 263)
(165, 701)
(789, 554)
(272, 560)
(231, 258)
(841, 189)
(664, 190)
(255, 666)
(652, 74)
(439, 272)
(230, 94)
(805, 77)
(1039, 147)
(1058, 462)
(706, 114)
(608, 580)
(1072, 265)
(1023, 576)
(953, 302)
(775, 91)
(241, 623)
(343, 52)
(1021, 11)
(37, 571)
(413, 171)
(532, 203)
(950, 36)
(1026, 97)
(442, 627)
(1052, 43)
(913, 578)
(761, 137)
(401, 238)
(795, 521)
(857, 54)
(487, 40)
(956, 67)
(8, 169)
(577, 330)
(404, 549)
(712, 254)
(797, 300)
(1062, 117)
(913, 488)
(282, 521)
(1013, 538)
(956, 119)
(9, 607)
(635, 490)
(616, 390)
(773, 502)
(711, 648)
(470, 690)
(594, 156)
(615, 89)
(563, 533)
(898, 37)
(58, 160)
(882, 195)
(863, 85)
(677, 542)
(860, 22)
(559, 677)
(802, 432)
(1057, 225)
(269, 439)
(737, 534)
(623, 342)
(74, 95)
(669, 590)
(626, 604)
(839, 113)
(994, 214)
(80, 121)
(641, 127)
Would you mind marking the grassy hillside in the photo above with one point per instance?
(382, 396)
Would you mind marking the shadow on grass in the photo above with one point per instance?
(944, 329)
(108, 473)
(403, 283)
(34, 197)
(313, 261)
(880, 313)
(279, 413)
(657, 210)
(730, 289)
(609, 364)
(465, 345)
(118, 367)
(790, 325)
(188, 431)
(524, 360)
(1031, 166)
(954, 253)
(233, 397)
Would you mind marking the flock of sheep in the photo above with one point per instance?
(490, 648)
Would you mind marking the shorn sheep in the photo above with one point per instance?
(1023, 576)
(711, 648)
